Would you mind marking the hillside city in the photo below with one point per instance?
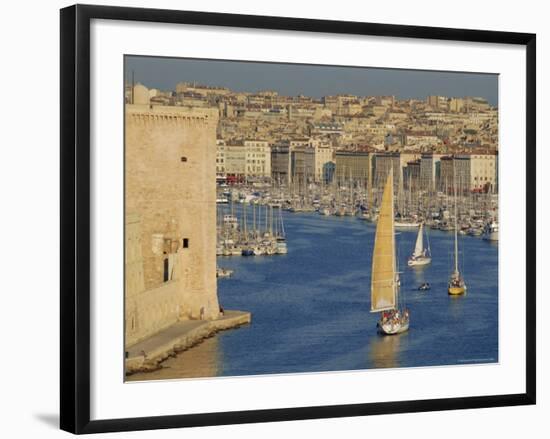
(266, 137)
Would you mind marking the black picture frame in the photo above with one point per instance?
(75, 217)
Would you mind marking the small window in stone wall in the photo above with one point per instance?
(185, 242)
(166, 276)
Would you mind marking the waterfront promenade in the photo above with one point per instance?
(148, 354)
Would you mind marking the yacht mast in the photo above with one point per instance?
(456, 219)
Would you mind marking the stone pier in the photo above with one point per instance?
(148, 354)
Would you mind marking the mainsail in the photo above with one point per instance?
(419, 247)
(383, 283)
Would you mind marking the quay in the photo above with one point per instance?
(147, 355)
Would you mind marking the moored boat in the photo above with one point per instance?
(281, 248)
(363, 215)
(223, 272)
(490, 232)
(248, 251)
(405, 223)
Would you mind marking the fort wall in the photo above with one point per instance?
(170, 208)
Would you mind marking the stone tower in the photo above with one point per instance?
(170, 207)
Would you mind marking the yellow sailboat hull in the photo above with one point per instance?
(454, 291)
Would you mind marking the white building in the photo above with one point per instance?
(258, 158)
(251, 158)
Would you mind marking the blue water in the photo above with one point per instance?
(311, 307)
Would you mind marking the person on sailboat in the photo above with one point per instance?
(397, 280)
(455, 279)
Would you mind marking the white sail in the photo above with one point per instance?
(419, 247)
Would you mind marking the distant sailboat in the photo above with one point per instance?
(404, 221)
(421, 255)
(385, 278)
(490, 232)
(281, 248)
(456, 282)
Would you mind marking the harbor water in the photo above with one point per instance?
(311, 307)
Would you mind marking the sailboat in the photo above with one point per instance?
(490, 231)
(281, 248)
(421, 255)
(404, 221)
(385, 278)
(456, 282)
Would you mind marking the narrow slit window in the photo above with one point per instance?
(166, 275)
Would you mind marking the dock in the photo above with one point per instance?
(148, 354)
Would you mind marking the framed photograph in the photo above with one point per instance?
(272, 218)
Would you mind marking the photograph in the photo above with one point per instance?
(284, 218)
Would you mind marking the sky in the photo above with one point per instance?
(310, 80)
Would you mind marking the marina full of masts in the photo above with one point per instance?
(254, 229)
(250, 220)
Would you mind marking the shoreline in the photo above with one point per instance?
(147, 355)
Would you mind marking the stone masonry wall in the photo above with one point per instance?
(170, 170)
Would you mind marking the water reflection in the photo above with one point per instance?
(384, 350)
(456, 306)
(203, 360)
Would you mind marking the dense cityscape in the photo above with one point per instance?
(266, 137)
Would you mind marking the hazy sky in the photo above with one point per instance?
(310, 80)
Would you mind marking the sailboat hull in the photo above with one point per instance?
(455, 291)
(419, 261)
(406, 226)
(393, 328)
(491, 236)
